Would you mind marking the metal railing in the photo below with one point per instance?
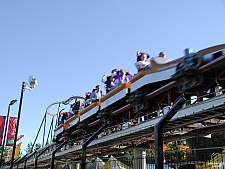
(192, 159)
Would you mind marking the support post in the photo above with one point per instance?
(6, 129)
(85, 144)
(158, 132)
(38, 133)
(17, 124)
(53, 153)
(17, 163)
(83, 159)
(25, 161)
(36, 158)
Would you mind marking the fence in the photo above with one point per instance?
(182, 159)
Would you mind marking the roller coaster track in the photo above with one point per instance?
(66, 102)
(141, 133)
(209, 109)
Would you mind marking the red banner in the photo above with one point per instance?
(2, 124)
(11, 131)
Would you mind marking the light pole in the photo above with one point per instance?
(33, 84)
(6, 127)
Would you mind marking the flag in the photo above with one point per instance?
(20, 136)
(11, 131)
(8, 152)
(2, 124)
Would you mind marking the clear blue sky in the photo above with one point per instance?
(68, 45)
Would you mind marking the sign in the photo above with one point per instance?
(11, 131)
(2, 126)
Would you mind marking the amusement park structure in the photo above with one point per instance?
(125, 117)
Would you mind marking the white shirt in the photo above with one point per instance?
(141, 63)
(99, 94)
(96, 95)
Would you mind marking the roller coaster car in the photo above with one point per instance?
(115, 99)
(162, 71)
(158, 75)
(187, 72)
(78, 121)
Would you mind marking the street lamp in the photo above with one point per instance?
(32, 84)
(6, 128)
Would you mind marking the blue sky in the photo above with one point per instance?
(68, 45)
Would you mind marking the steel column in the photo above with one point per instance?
(158, 132)
(53, 153)
(36, 158)
(17, 124)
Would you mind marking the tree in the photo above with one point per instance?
(37, 146)
(47, 142)
(30, 145)
(213, 143)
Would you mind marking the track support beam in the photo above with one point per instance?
(88, 141)
(158, 132)
(53, 153)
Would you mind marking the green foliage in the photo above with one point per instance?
(172, 145)
(216, 140)
(20, 153)
(47, 142)
(29, 147)
(37, 146)
(129, 153)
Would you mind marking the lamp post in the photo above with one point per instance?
(6, 127)
(33, 84)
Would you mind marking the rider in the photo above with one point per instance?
(121, 78)
(96, 95)
(162, 54)
(142, 63)
(109, 82)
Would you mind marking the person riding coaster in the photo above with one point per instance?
(118, 77)
(142, 63)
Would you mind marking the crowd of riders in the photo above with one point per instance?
(112, 81)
